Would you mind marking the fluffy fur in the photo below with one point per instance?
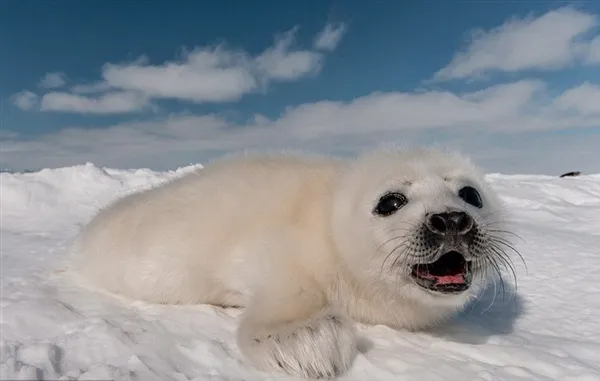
(295, 241)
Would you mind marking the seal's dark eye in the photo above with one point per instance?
(471, 196)
(389, 203)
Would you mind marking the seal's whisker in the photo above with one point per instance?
(401, 259)
(498, 271)
(505, 243)
(495, 289)
(506, 261)
(412, 224)
(386, 242)
(402, 244)
(502, 231)
(496, 249)
(484, 217)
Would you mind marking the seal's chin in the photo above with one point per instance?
(450, 274)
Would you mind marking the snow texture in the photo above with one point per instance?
(547, 330)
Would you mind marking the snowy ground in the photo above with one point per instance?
(549, 331)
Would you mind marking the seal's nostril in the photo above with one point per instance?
(464, 222)
(437, 223)
(455, 222)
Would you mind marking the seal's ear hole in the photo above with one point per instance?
(471, 196)
(389, 203)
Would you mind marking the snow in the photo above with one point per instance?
(548, 330)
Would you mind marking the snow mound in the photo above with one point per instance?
(548, 330)
(78, 191)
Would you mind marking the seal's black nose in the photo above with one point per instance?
(450, 223)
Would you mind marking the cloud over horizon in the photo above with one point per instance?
(510, 109)
(550, 41)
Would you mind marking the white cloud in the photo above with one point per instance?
(25, 100)
(202, 75)
(495, 108)
(281, 63)
(330, 37)
(215, 74)
(496, 119)
(109, 103)
(594, 51)
(551, 41)
(584, 99)
(53, 80)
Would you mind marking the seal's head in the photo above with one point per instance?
(422, 223)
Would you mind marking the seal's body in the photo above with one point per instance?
(306, 244)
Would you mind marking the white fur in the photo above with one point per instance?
(290, 238)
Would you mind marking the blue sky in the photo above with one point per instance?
(516, 85)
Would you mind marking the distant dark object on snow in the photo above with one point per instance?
(571, 174)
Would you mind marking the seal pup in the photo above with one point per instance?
(307, 245)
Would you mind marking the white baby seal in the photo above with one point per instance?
(308, 245)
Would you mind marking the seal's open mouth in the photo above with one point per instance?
(449, 274)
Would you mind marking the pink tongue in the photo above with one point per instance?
(450, 279)
(444, 279)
